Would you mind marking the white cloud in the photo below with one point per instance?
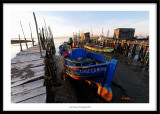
(84, 17)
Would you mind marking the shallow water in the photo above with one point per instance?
(15, 48)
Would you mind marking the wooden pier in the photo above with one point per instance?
(27, 77)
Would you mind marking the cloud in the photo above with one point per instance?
(84, 17)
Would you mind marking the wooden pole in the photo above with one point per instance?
(144, 51)
(122, 47)
(46, 31)
(146, 57)
(116, 44)
(24, 35)
(133, 50)
(31, 35)
(44, 40)
(140, 51)
(20, 43)
(41, 39)
(37, 33)
(127, 48)
(147, 62)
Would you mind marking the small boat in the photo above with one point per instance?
(99, 48)
(84, 65)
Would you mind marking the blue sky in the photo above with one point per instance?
(64, 23)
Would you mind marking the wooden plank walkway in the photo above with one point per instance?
(27, 77)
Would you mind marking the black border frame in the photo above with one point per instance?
(157, 2)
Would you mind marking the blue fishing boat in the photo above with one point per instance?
(84, 65)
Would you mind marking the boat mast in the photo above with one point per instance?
(108, 33)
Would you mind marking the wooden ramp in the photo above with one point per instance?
(27, 77)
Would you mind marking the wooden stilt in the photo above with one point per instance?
(20, 43)
(24, 35)
(37, 33)
(140, 52)
(133, 50)
(31, 35)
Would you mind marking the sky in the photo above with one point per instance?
(64, 23)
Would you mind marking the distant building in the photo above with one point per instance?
(124, 33)
(86, 36)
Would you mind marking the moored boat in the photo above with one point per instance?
(84, 65)
(99, 48)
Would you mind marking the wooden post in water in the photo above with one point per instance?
(40, 38)
(24, 35)
(133, 50)
(127, 48)
(147, 62)
(122, 47)
(116, 44)
(143, 55)
(37, 33)
(146, 57)
(20, 43)
(44, 39)
(140, 51)
(31, 35)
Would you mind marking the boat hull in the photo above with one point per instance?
(101, 74)
(84, 73)
(100, 49)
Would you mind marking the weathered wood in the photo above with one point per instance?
(31, 35)
(19, 81)
(28, 89)
(127, 48)
(27, 56)
(21, 77)
(133, 50)
(31, 64)
(38, 99)
(122, 47)
(24, 35)
(28, 94)
(140, 52)
(146, 59)
(37, 33)
(144, 52)
(27, 86)
(20, 43)
(43, 39)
